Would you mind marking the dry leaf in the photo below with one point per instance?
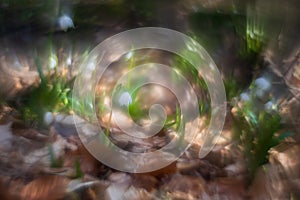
(194, 186)
(187, 165)
(227, 188)
(288, 156)
(30, 134)
(270, 184)
(6, 192)
(170, 169)
(144, 181)
(120, 183)
(133, 193)
(46, 188)
(88, 164)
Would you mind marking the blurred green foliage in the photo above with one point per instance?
(52, 94)
(85, 108)
(232, 88)
(257, 132)
(210, 27)
(78, 171)
(215, 28)
(187, 70)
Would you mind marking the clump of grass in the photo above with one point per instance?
(85, 107)
(255, 31)
(232, 88)
(256, 127)
(257, 131)
(187, 70)
(78, 171)
(53, 93)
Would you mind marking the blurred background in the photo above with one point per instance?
(255, 45)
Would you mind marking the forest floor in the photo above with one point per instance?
(50, 162)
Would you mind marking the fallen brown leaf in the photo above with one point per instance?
(227, 187)
(88, 164)
(144, 181)
(46, 188)
(170, 169)
(191, 185)
(6, 192)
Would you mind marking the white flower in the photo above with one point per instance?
(125, 99)
(69, 60)
(52, 61)
(91, 105)
(262, 83)
(129, 55)
(245, 97)
(91, 66)
(48, 118)
(269, 106)
(65, 22)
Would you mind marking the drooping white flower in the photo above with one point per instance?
(52, 61)
(129, 55)
(65, 22)
(69, 60)
(48, 118)
(91, 66)
(262, 83)
(91, 106)
(125, 99)
(269, 106)
(245, 97)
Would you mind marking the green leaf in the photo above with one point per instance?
(78, 172)
(285, 135)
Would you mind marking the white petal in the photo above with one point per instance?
(262, 83)
(48, 118)
(129, 55)
(125, 99)
(91, 66)
(65, 22)
(52, 62)
(69, 60)
(245, 97)
(269, 106)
